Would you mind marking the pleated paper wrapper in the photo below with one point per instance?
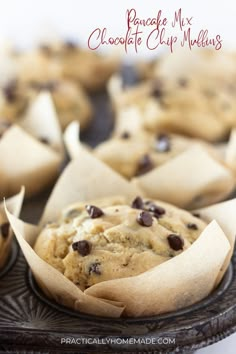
(14, 205)
(195, 178)
(25, 158)
(179, 282)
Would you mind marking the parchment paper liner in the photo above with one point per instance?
(183, 280)
(25, 160)
(230, 152)
(190, 180)
(194, 178)
(14, 205)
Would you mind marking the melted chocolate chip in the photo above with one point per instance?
(197, 215)
(5, 229)
(94, 212)
(125, 135)
(192, 226)
(175, 242)
(44, 140)
(83, 247)
(183, 82)
(95, 268)
(156, 210)
(163, 143)
(69, 44)
(145, 219)
(157, 89)
(9, 91)
(145, 165)
(45, 49)
(137, 203)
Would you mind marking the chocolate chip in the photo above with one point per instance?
(45, 49)
(137, 203)
(157, 88)
(9, 91)
(175, 242)
(95, 268)
(156, 210)
(192, 226)
(183, 82)
(5, 229)
(94, 212)
(44, 140)
(163, 143)
(125, 135)
(145, 165)
(145, 219)
(83, 247)
(69, 44)
(197, 215)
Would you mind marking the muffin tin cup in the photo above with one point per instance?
(32, 323)
(10, 261)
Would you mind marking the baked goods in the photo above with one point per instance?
(110, 239)
(90, 69)
(177, 106)
(192, 175)
(70, 100)
(38, 67)
(178, 282)
(13, 100)
(83, 66)
(138, 153)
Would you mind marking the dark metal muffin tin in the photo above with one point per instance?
(31, 323)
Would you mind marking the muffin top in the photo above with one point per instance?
(182, 106)
(134, 154)
(111, 238)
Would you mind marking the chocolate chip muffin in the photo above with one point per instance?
(37, 67)
(138, 153)
(13, 100)
(111, 238)
(71, 101)
(181, 105)
(90, 69)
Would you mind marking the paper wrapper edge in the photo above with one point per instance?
(54, 284)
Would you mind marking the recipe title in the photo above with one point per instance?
(156, 32)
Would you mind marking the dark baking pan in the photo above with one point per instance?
(31, 323)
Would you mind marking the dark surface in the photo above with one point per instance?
(30, 323)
